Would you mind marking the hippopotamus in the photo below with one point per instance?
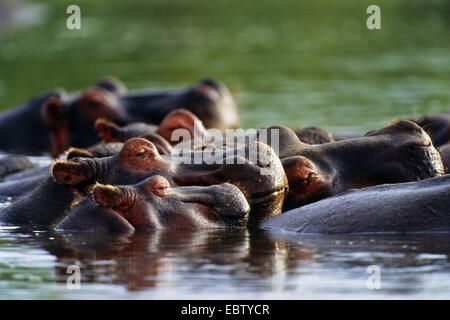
(313, 135)
(14, 163)
(55, 121)
(81, 111)
(420, 206)
(51, 122)
(44, 207)
(161, 136)
(13, 189)
(153, 204)
(208, 100)
(176, 119)
(27, 181)
(113, 135)
(25, 129)
(437, 126)
(400, 152)
(262, 178)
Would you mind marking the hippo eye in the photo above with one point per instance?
(161, 189)
(95, 104)
(158, 186)
(145, 152)
(140, 152)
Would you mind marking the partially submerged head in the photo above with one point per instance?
(154, 204)
(212, 103)
(406, 153)
(261, 176)
(137, 160)
(400, 152)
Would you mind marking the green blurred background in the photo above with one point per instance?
(292, 62)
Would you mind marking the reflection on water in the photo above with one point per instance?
(218, 264)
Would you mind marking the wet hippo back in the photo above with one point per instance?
(408, 207)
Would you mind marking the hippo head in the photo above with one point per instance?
(154, 204)
(180, 119)
(400, 152)
(408, 155)
(254, 168)
(262, 178)
(137, 160)
(212, 103)
(81, 112)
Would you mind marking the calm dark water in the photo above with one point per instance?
(217, 264)
(298, 63)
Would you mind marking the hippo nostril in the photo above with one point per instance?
(107, 130)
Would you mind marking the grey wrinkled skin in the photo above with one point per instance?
(421, 206)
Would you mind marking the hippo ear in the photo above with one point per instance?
(108, 131)
(70, 173)
(52, 112)
(282, 139)
(180, 119)
(113, 85)
(98, 103)
(107, 195)
(78, 153)
(121, 199)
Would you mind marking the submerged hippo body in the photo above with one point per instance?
(16, 189)
(401, 152)
(421, 206)
(44, 207)
(13, 164)
(88, 216)
(153, 204)
(24, 129)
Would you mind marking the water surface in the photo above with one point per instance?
(217, 264)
